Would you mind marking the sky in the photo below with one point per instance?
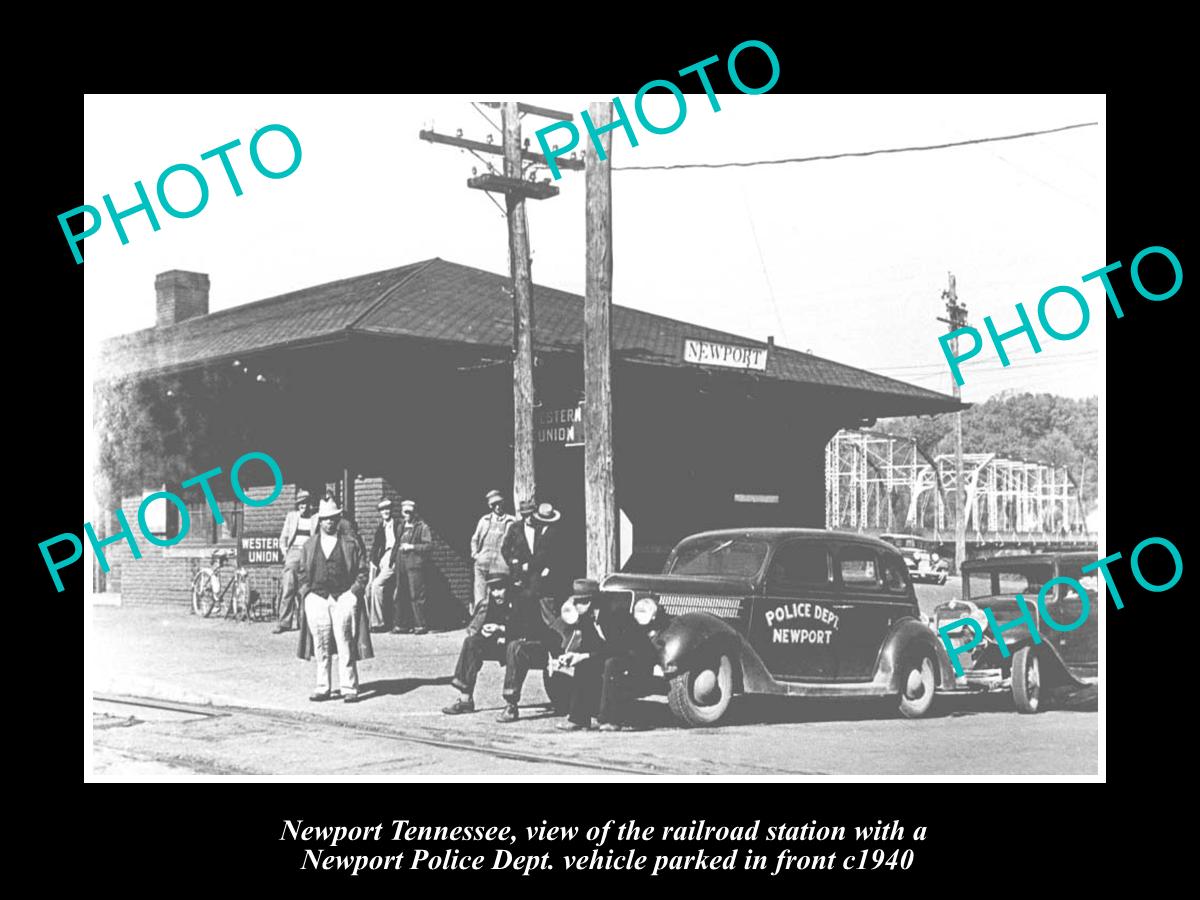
(845, 258)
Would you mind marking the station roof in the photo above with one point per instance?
(438, 300)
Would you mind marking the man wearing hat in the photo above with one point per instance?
(529, 546)
(487, 545)
(603, 653)
(485, 640)
(299, 524)
(383, 552)
(415, 544)
(532, 639)
(333, 576)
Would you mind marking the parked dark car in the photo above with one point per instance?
(792, 611)
(1062, 659)
(925, 564)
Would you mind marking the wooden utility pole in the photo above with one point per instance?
(957, 320)
(600, 502)
(524, 480)
(513, 184)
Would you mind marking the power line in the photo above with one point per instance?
(860, 153)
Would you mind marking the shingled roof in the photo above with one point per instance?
(440, 300)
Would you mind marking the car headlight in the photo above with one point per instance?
(645, 610)
(569, 613)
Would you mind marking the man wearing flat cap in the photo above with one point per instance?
(413, 550)
(333, 577)
(299, 524)
(486, 636)
(602, 655)
(383, 580)
(487, 545)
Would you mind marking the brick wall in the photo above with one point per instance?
(164, 575)
(452, 579)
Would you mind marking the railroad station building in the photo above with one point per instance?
(399, 383)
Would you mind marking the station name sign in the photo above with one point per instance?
(731, 356)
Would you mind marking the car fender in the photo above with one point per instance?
(906, 634)
(1054, 672)
(690, 639)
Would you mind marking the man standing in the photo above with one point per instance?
(532, 638)
(298, 527)
(604, 655)
(333, 576)
(413, 551)
(383, 552)
(487, 545)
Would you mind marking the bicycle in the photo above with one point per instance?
(208, 594)
(260, 609)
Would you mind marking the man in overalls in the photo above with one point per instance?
(487, 546)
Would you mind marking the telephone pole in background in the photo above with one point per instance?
(600, 503)
(957, 320)
(516, 187)
(520, 263)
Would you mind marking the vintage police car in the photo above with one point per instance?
(1066, 659)
(792, 611)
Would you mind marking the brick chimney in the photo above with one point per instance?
(181, 295)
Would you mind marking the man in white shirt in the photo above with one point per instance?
(298, 526)
(383, 568)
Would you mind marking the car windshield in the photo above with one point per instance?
(718, 556)
(1008, 581)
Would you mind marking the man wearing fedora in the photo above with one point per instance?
(413, 550)
(485, 640)
(604, 651)
(383, 553)
(529, 551)
(298, 526)
(333, 576)
(487, 545)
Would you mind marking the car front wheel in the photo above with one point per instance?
(1026, 680)
(917, 686)
(701, 696)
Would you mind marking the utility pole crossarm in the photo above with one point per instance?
(480, 147)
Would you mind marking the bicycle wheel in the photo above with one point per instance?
(202, 595)
(239, 600)
(215, 595)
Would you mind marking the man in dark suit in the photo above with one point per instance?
(530, 551)
(605, 654)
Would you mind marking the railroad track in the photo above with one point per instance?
(300, 721)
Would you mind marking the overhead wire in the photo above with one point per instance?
(857, 153)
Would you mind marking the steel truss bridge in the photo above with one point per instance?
(879, 483)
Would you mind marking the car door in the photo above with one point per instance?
(865, 609)
(1077, 647)
(790, 628)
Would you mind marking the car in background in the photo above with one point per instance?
(925, 564)
(790, 611)
(1062, 659)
